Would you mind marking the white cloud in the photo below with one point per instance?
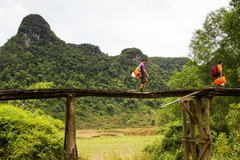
(157, 27)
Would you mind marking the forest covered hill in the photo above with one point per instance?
(35, 58)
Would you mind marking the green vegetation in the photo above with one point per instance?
(170, 146)
(26, 135)
(168, 66)
(117, 147)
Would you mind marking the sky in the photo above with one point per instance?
(159, 28)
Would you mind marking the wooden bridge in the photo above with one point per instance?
(194, 103)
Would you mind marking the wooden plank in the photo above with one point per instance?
(204, 148)
(196, 140)
(179, 99)
(70, 148)
(63, 92)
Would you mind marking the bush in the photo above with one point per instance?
(169, 147)
(26, 135)
(226, 148)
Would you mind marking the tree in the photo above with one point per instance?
(219, 41)
(189, 77)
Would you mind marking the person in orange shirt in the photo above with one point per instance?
(221, 80)
(220, 69)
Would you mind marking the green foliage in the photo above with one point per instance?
(116, 113)
(41, 85)
(169, 114)
(233, 118)
(26, 135)
(167, 66)
(189, 77)
(170, 146)
(226, 148)
(235, 3)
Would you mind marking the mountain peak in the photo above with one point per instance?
(86, 48)
(34, 28)
(133, 54)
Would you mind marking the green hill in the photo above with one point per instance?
(36, 55)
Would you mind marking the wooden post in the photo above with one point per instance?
(192, 130)
(70, 148)
(201, 133)
(207, 119)
(185, 134)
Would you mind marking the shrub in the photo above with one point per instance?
(226, 148)
(26, 135)
(169, 147)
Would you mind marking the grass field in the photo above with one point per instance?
(115, 144)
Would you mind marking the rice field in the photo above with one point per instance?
(121, 144)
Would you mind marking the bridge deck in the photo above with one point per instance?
(64, 92)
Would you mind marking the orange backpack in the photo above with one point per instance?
(136, 72)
